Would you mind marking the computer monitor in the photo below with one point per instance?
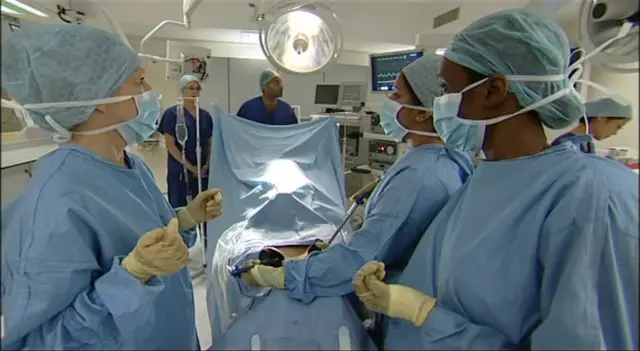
(327, 94)
(353, 93)
(385, 68)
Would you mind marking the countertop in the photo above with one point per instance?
(25, 152)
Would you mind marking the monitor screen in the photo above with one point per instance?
(351, 93)
(386, 67)
(327, 94)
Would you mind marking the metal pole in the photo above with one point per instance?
(200, 228)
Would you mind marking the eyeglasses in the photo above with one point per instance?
(192, 88)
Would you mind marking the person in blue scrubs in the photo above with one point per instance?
(269, 108)
(176, 183)
(406, 200)
(605, 117)
(93, 255)
(539, 249)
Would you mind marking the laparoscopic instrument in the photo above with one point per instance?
(273, 258)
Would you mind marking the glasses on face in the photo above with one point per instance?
(193, 88)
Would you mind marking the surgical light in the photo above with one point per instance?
(25, 7)
(440, 51)
(613, 23)
(299, 37)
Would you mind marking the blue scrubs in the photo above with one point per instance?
(267, 319)
(584, 143)
(255, 110)
(538, 252)
(62, 242)
(176, 184)
(401, 207)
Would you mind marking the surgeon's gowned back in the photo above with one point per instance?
(539, 249)
(93, 256)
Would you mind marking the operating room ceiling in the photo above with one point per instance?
(368, 25)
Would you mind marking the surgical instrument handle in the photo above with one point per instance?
(359, 200)
(238, 271)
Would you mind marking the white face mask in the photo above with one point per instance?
(448, 105)
(389, 114)
(132, 131)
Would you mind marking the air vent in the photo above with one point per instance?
(446, 17)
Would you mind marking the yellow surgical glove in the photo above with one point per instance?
(264, 276)
(160, 252)
(396, 301)
(205, 207)
(369, 187)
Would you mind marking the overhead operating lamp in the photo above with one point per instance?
(298, 36)
(614, 25)
(188, 7)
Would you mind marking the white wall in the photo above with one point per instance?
(232, 81)
(627, 86)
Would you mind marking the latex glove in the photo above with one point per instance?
(264, 276)
(367, 188)
(395, 301)
(205, 207)
(160, 252)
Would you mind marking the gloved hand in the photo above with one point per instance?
(396, 301)
(160, 252)
(205, 207)
(367, 188)
(263, 276)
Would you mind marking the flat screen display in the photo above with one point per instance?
(386, 67)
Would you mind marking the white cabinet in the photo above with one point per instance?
(14, 180)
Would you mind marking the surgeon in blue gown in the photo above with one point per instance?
(401, 207)
(93, 256)
(605, 117)
(177, 186)
(268, 108)
(539, 249)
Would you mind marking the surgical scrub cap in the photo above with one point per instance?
(517, 42)
(186, 79)
(422, 75)
(45, 63)
(608, 107)
(266, 76)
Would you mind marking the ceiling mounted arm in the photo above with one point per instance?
(151, 33)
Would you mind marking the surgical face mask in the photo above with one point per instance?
(453, 132)
(448, 106)
(133, 131)
(389, 114)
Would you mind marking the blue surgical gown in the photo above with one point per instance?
(255, 110)
(176, 184)
(62, 242)
(538, 252)
(401, 207)
(583, 142)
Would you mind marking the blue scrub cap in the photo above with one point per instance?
(186, 79)
(517, 42)
(422, 75)
(608, 107)
(266, 76)
(45, 63)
